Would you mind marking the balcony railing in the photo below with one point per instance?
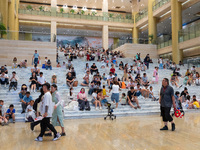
(189, 33)
(141, 15)
(106, 16)
(164, 44)
(158, 4)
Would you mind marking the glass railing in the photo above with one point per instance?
(29, 36)
(141, 15)
(189, 33)
(164, 44)
(106, 16)
(157, 4)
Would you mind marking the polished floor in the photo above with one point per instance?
(126, 133)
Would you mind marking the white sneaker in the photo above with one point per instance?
(57, 137)
(96, 108)
(100, 108)
(39, 139)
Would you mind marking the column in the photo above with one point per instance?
(135, 30)
(104, 5)
(4, 13)
(176, 21)
(16, 37)
(152, 22)
(53, 7)
(105, 37)
(53, 31)
(11, 19)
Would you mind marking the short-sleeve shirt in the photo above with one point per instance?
(166, 96)
(8, 111)
(21, 96)
(93, 67)
(47, 101)
(130, 94)
(112, 70)
(33, 82)
(144, 79)
(70, 78)
(36, 55)
(27, 99)
(3, 78)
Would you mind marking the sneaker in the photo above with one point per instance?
(2, 123)
(9, 89)
(22, 112)
(164, 128)
(100, 108)
(32, 126)
(63, 134)
(15, 88)
(57, 137)
(173, 126)
(39, 139)
(5, 85)
(48, 134)
(13, 121)
(96, 108)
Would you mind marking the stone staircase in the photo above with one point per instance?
(147, 106)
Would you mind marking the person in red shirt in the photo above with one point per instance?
(112, 69)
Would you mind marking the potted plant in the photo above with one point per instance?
(151, 38)
(94, 13)
(72, 11)
(61, 10)
(111, 15)
(41, 8)
(82, 12)
(2, 30)
(29, 7)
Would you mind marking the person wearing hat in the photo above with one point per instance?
(13, 81)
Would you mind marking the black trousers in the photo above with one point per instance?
(93, 71)
(38, 86)
(45, 122)
(13, 84)
(165, 113)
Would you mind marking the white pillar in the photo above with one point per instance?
(53, 3)
(53, 7)
(53, 31)
(105, 37)
(104, 5)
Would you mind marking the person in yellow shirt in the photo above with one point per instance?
(195, 102)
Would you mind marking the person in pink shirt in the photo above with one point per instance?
(155, 76)
(82, 100)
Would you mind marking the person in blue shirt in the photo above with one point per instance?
(26, 101)
(10, 114)
(36, 57)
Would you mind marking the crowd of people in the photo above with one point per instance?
(134, 84)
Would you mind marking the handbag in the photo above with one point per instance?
(75, 84)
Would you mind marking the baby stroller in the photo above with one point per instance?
(179, 107)
(110, 112)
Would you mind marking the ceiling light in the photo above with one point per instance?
(74, 7)
(143, 26)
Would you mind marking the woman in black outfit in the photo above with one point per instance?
(33, 80)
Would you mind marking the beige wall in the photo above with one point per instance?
(130, 50)
(25, 50)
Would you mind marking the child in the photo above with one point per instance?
(30, 112)
(104, 77)
(151, 94)
(3, 119)
(178, 100)
(104, 91)
(10, 114)
(195, 102)
(123, 99)
(54, 79)
(58, 65)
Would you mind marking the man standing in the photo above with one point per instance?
(46, 109)
(36, 57)
(147, 61)
(166, 100)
